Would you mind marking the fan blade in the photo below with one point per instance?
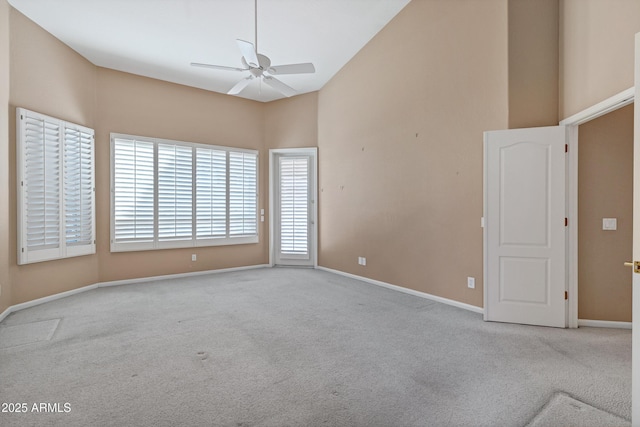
(240, 86)
(217, 67)
(249, 52)
(279, 86)
(307, 67)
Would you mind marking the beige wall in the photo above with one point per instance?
(605, 190)
(399, 132)
(596, 51)
(400, 142)
(50, 78)
(533, 63)
(5, 288)
(141, 106)
(292, 122)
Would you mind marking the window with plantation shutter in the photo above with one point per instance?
(56, 206)
(243, 197)
(175, 192)
(133, 195)
(211, 193)
(170, 194)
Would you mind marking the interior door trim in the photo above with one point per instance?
(312, 152)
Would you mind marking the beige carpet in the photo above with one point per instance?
(27, 333)
(296, 347)
(565, 411)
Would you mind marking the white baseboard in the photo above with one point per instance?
(54, 297)
(46, 299)
(603, 324)
(177, 276)
(5, 313)
(425, 295)
(473, 308)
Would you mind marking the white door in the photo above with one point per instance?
(293, 208)
(635, 348)
(525, 226)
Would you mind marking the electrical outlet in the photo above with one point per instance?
(471, 282)
(362, 260)
(194, 257)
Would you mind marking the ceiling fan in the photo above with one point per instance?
(259, 66)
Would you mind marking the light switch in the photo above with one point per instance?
(609, 223)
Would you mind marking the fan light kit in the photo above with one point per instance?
(259, 66)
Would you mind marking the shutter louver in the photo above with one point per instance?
(211, 193)
(175, 192)
(42, 183)
(134, 191)
(243, 190)
(294, 205)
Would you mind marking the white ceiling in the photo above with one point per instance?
(159, 38)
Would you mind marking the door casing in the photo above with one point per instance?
(312, 152)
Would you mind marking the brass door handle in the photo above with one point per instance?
(635, 265)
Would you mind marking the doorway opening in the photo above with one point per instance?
(611, 104)
(605, 212)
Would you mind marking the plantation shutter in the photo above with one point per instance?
(79, 189)
(172, 194)
(133, 186)
(211, 193)
(175, 192)
(294, 205)
(243, 194)
(56, 193)
(40, 189)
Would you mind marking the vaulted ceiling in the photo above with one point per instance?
(160, 38)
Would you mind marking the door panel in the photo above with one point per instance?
(525, 236)
(524, 187)
(533, 275)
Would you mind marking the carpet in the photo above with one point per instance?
(27, 333)
(296, 347)
(565, 411)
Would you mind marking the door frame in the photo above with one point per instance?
(572, 123)
(312, 152)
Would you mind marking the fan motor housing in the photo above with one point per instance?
(263, 61)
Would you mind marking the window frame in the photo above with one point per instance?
(155, 243)
(63, 250)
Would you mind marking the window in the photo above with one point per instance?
(172, 194)
(56, 190)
